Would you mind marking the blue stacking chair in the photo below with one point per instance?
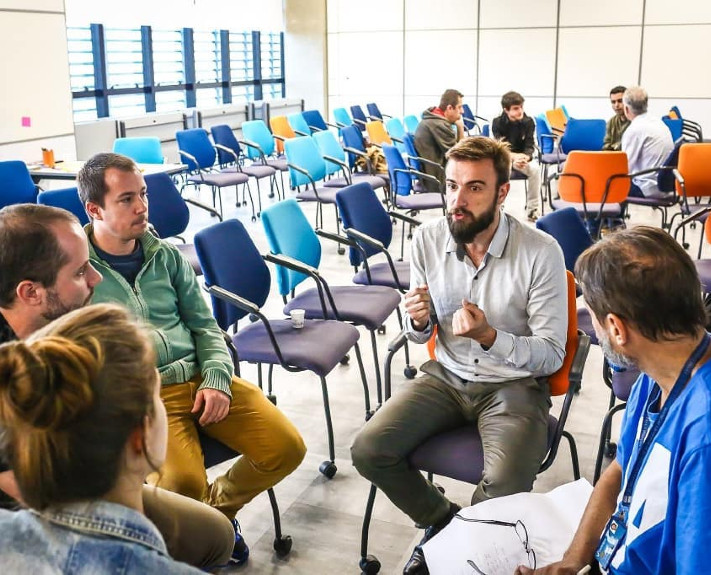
(675, 125)
(229, 152)
(289, 234)
(140, 150)
(315, 121)
(397, 132)
(375, 113)
(411, 121)
(355, 146)
(17, 184)
(342, 117)
(239, 283)
(67, 199)
(414, 160)
(197, 152)
(259, 144)
(585, 135)
(298, 124)
(549, 153)
(470, 120)
(359, 117)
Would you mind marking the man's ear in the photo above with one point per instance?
(93, 210)
(617, 329)
(30, 293)
(503, 193)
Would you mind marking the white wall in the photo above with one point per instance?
(402, 55)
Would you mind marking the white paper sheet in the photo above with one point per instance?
(550, 519)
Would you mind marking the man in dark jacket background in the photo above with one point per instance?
(436, 134)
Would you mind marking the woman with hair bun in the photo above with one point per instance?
(82, 424)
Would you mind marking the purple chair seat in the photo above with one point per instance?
(425, 201)
(299, 347)
(608, 211)
(458, 453)
(325, 195)
(703, 267)
(663, 202)
(358, 177)
(622, 382)
(257, 171)
(220, 179)
(336, 183)
(553, 158)
(586, 326)
(382, 275)
(516, 175)
(368, 306)
(188, 250)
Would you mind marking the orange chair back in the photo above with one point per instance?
(707, 229)
(281, 127)
(377, 134)
(557, 120)
(695, 168)
(560, 380)
(595, 168)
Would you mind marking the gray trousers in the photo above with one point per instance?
(512, 419)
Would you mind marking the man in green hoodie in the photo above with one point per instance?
(154, 281)
(440, 128)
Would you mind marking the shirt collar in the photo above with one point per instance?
(498, 242)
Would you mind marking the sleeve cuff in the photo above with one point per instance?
(503, 345)
(216, 379)
(417, 336)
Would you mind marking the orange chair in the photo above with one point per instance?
(693, 180)
(282, 130)
(557, 120)
(377, 134)
(595, 184)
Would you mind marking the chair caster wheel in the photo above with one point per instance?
(341, 251)
(254, 219)
(410, 372)
(369, 565)
(328, 468)
(345, 359)
(369, 414)
(381, 330)
(271, 397)
(271, 195)
(283, 546)
(244, 203)
(611, 450)
(685, 245)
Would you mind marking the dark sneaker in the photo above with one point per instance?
(532, 215)
(416, 564)
(240, 553)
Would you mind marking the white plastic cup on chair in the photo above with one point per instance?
(297, 318)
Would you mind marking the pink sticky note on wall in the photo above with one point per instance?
(26, 122)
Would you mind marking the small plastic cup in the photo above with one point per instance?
(297, 318)
(48, 158)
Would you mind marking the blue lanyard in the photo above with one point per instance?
(648, 438)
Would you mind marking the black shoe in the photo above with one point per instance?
(417, 565)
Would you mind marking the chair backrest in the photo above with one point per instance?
(591, 172)
(299, 124)
(241, 271)
(67, 199)
(694, 162)
(675, 125)
(545, 145)
(342, 117)
(167, 210)
(374, 111)
(583, 135)
(395, 128)
(400, 181)
(196, 143)
(377, 134)
(411, 121)
(411, 151)
(17, 184)
(468, 118)
(281, 127)
(314, 119)
(256, 131)
(361, 210)
(358, 114)
(303, 152)
(569, 230)
(557, 120)
(486, 131)
(328, 146)
(666, 182)
(141, 150)
(289, 233)
(352, 139)
(222, 134)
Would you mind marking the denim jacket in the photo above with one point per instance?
(84, 538)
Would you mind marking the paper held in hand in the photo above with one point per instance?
(550, 521)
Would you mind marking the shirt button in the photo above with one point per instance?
(476, 361)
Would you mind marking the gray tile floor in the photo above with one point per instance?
(324, 516)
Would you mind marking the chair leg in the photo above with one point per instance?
(368, 563)
(366, 390)
(282, 543)
(573, 454)
(328, 468)
(259, 198)
(410, 370)
(604, 438)
(270, 395)
(341, 249)
(376, 364)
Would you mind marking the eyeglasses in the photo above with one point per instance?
(520, 530)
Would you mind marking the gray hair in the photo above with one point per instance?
(635, 98)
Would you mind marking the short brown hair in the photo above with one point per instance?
(511, 99)
(645, 277)
(450, 98)
(91, 179)
(29, 249)
(476, 148)
(70, 396)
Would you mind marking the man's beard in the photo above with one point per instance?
(614, 357)
(56, 308)
(463, 231)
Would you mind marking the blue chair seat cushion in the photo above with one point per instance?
(325, 195)
(622, 382)
(375, 182)
(301, 348)
(368, 306)
(458, 453)
(553, 158)
(336, 183)
(608, 211)
(220, 179)
(425, 201)
(214, 451)
(382, 275)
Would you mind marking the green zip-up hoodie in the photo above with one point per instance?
(167, 297)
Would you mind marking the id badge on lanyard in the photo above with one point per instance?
(612, 539)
